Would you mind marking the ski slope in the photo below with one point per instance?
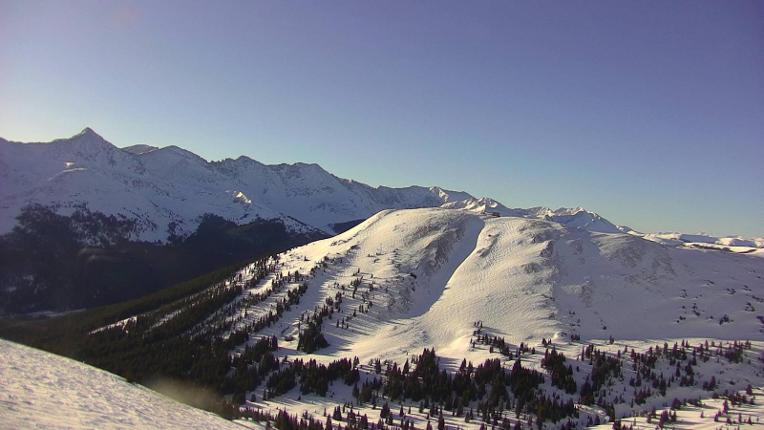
(43, 390)
(434, 272)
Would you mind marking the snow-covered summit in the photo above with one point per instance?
(140, 148)
(582, 219)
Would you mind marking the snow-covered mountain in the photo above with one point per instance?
(168, 189)
(728, 243)
(428, 278)
(475, 286)
(528, 278)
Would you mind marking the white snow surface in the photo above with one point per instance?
(701, 240)
(436, 271)
(702, 417)
(43, 390)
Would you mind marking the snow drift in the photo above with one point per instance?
(43, 390)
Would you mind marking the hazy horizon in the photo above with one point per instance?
(650, 114)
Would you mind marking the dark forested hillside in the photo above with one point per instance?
(52, 262)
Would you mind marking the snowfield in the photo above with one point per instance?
(42, 390)
(434, 272)
(702, 417)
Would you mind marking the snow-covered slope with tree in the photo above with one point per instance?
(474, 286)
(528, 278)
(43, 390)
(426, 278)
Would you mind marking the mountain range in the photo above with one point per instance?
(166, 191)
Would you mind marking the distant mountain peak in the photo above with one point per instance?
(244, 158)
(89, 135)
(178, 151)
(88, 132)
(140, 148)
(88, 143)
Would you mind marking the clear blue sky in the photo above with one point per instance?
(650, 113)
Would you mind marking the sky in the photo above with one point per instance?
(650, 113)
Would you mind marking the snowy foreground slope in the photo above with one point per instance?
(42, 390)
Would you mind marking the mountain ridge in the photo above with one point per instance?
(167, 190)
(159, 186)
